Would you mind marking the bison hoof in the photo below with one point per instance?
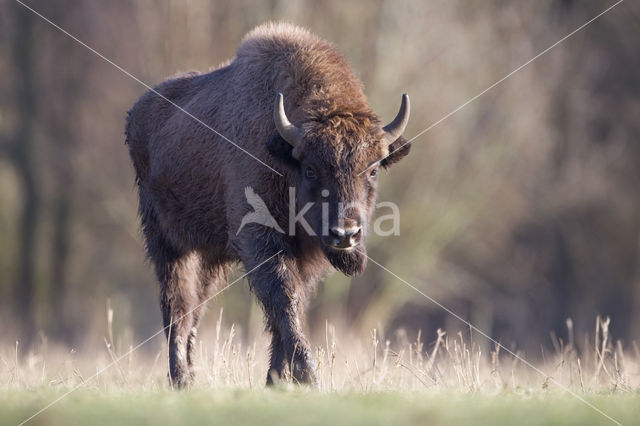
(180, 380)
(301, 376)
(273, 378)
(305, 374)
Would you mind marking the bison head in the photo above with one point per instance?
(336, 156)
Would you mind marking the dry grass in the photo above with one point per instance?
(371, 381)
(450, 363)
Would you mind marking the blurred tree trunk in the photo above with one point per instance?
(635, 317)
(22, 47)
(362, 292)
(61, 212)
(66, 88)
(373, 29)
(59, 256)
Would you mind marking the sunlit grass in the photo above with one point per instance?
(449, 381)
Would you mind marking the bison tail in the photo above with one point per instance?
(136, 139)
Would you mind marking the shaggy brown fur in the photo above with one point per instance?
(191, 183)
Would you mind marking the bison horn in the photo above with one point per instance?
(288, 131)
(395, 129)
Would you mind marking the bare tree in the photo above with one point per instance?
(23, 150)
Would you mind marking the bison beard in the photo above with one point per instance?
(349, 263)
(191, 183)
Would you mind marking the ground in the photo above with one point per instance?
(305, 407)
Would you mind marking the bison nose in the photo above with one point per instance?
(346, 237)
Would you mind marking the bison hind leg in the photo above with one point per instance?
(179, 302)
(179, 277)
(212, 278)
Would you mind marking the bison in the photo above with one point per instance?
(287, 119)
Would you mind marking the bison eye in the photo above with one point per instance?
(374, 172)
(310, 173)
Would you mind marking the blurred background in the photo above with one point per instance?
(519, 211)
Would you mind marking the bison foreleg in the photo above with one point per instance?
(277, 362)
(289, 347)
(280, 292)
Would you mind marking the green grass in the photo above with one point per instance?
(304, 407)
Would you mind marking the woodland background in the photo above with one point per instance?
(519, 211)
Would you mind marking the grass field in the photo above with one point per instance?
(303, 407)
(448, 381)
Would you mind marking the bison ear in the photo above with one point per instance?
(398, 150)
(280, 149)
